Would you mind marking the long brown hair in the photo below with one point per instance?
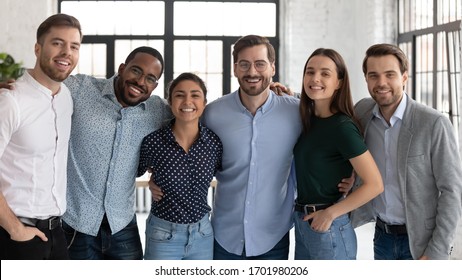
(341, 101)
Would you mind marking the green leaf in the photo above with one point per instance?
(8, 68)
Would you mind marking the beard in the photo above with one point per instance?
(389, 99)
(53, 73)
(254, 90)
(124, 97)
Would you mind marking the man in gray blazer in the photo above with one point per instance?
(415, 149)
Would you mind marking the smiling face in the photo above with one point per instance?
(385, 81)
(251, 81)
(133, 85)
(58, 52)
(187, 101)
(321, 79)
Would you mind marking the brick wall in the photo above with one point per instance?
(348, 26)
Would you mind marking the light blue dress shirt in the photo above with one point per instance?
(253, 203)
(382, 141)
(104, 152)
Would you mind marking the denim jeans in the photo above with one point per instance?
(124, 245)
(36, 248)
(171, 241)
(391, 246)
(338, 243)
(279, 252)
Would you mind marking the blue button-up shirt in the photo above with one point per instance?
(104, 152)
(184, 177)
(253, 203)
(382, 141)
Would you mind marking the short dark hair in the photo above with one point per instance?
(186, 77)
(253, 40)
(57, 20)
(387, 49)
(144, 49)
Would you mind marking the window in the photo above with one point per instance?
(429, 33)
(193, 36)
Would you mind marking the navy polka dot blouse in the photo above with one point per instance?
(183, 177)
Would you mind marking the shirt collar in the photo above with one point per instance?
(397, 115)
(203, 134)
(43, 89)
(263, 107)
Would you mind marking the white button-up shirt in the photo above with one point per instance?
(34, 135)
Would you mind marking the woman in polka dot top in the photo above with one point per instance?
(183, 156)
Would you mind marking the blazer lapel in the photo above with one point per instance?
(404, 144)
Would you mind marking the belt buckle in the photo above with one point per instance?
(53, 222)
(308, 207)
(387, 229)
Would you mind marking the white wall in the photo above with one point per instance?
(348, 26)
(19, 22)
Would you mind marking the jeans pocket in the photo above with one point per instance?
(206, 229)
(161, 235)
(27, 250)
(69, 233)
(349, 240)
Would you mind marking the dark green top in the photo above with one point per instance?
(322, 158)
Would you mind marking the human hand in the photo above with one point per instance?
(280, 89)
(346, 184)
(26, 233)
(9, 84)
(156, 191)
(321, 220)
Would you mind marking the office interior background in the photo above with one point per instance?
(198, 36)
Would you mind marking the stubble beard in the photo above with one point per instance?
(52, 73)
(254, 90)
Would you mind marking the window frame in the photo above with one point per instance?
(408, 41)
(169, 38)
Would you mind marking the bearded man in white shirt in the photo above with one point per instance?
(35, 122)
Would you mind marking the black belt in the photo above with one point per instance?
(50, 223)
(391, 229)
(310, 208)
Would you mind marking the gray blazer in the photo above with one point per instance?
(430, 178)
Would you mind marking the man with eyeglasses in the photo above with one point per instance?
(111, 118)
(253, 201)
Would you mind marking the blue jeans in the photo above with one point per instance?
(171, 241)
(279, 252)
(338, 243)
(124, 245)
(391, 246)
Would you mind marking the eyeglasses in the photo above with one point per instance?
(245, 65)
(150, 80)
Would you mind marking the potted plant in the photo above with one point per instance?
(9, 69)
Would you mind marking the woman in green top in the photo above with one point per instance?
(330, 146)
